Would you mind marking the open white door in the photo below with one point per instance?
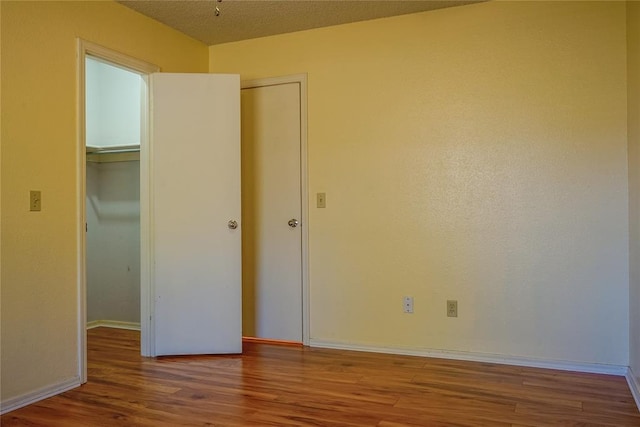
(195, 157)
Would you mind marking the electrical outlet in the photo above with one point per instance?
(452, 308)
(35, 201)
(407, 304)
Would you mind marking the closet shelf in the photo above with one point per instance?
(113, 149)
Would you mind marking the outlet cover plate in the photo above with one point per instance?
(35, 201)
(452, 308)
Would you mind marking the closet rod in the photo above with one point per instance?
(113, 149)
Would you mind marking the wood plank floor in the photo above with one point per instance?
(297, 386)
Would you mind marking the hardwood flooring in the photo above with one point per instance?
(273, 385)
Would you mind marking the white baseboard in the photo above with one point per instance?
(38, 395)
(634, 385)
(133, 326)
(596, 368)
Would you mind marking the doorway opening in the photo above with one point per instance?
(113, 122)
(113, 190)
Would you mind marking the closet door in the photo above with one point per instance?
(195, 222)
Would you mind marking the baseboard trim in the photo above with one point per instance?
(634, 386)
(35, 396)
(270, 341)
(595, 368)
(132, 326)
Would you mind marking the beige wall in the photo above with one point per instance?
(633, 102)
(40, 254)
(474, 153)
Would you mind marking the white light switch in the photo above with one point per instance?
(321, 200)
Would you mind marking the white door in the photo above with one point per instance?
(195, 157)
(271, 206)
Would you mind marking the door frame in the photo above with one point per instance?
(144, 69)
(301, 79)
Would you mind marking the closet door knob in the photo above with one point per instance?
(232, 225)
(293, 223)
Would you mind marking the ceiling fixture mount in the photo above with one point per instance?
(250, 19)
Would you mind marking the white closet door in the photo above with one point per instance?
(195, 149)
(271, 180)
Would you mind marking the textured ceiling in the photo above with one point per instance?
(244, 19)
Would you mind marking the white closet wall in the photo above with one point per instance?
(113, 116)
(113, 241)
(112, 105)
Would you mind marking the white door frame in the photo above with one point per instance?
(301, 79)
(86, 48)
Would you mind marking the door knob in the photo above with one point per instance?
(232, 225)
(293, 223)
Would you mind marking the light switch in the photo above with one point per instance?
(321, 199)
(35, 201)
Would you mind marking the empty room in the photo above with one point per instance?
(341, 213)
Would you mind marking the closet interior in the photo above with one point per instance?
(113, 117)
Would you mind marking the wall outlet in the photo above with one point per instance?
(452, 308)
(407, 304)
